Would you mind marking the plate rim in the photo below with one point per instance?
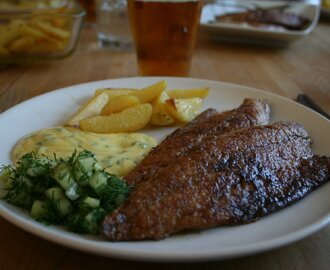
(40, 230)
(93, 247)
(230, 84)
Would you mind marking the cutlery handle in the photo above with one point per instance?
(308, 102)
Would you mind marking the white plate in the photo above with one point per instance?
(251, 34)
(283, 227)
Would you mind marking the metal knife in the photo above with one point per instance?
(308, 102)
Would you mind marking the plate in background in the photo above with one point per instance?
(242, 32)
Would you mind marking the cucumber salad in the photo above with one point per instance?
(75, 192)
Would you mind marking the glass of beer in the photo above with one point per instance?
(164, 33)
(89, 6)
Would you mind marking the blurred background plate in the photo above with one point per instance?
(261, 34)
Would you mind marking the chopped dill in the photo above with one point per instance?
(75, 192)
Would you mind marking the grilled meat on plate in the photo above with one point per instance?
(228, 179)
(251, 112)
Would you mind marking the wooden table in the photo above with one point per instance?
(303, 67)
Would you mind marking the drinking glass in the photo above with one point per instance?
(164, 33)
(113, 30)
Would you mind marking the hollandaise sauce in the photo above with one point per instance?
(118, 153)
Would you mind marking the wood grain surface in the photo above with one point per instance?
(302, 67)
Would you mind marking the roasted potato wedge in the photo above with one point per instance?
(188, 93)
(184, 109)
(115, 92)
(93, 107)
(149, 93)
(119, 103)
(129, 109)
(145, 95)
(128, 120)
(160, 115)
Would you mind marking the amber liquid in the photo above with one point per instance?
(164, 34)
(90, 7)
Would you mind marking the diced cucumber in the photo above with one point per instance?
(98, 180)
(38, 209)
(63, 176)
(72, 192)
(91, 202)
(49, 190)
(25, 181)
(93, 219)
(86, 164)
(5, 175)
(35, 171)
(83, 169)
(34, 166)
(58, 198)
(97, 166)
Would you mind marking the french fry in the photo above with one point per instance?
(22, 44)
(16, 23)
(185, 109)
(59, 22)
(3, 51)
(8, 34)
(119, 103)
(44, 32)
(26, 30)
(128, 120)
(160, 115)
(47, 47)
(53, 31)
(188, 93)
(93, 107)
(114, 92)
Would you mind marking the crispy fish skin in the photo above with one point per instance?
(231, 179)
(251, 112)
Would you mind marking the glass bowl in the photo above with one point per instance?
(38, 30)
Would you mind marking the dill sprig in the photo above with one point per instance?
(59, 191)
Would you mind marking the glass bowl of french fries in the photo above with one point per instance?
(38, 30)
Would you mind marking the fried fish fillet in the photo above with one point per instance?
(251, 112)
(234, 178)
